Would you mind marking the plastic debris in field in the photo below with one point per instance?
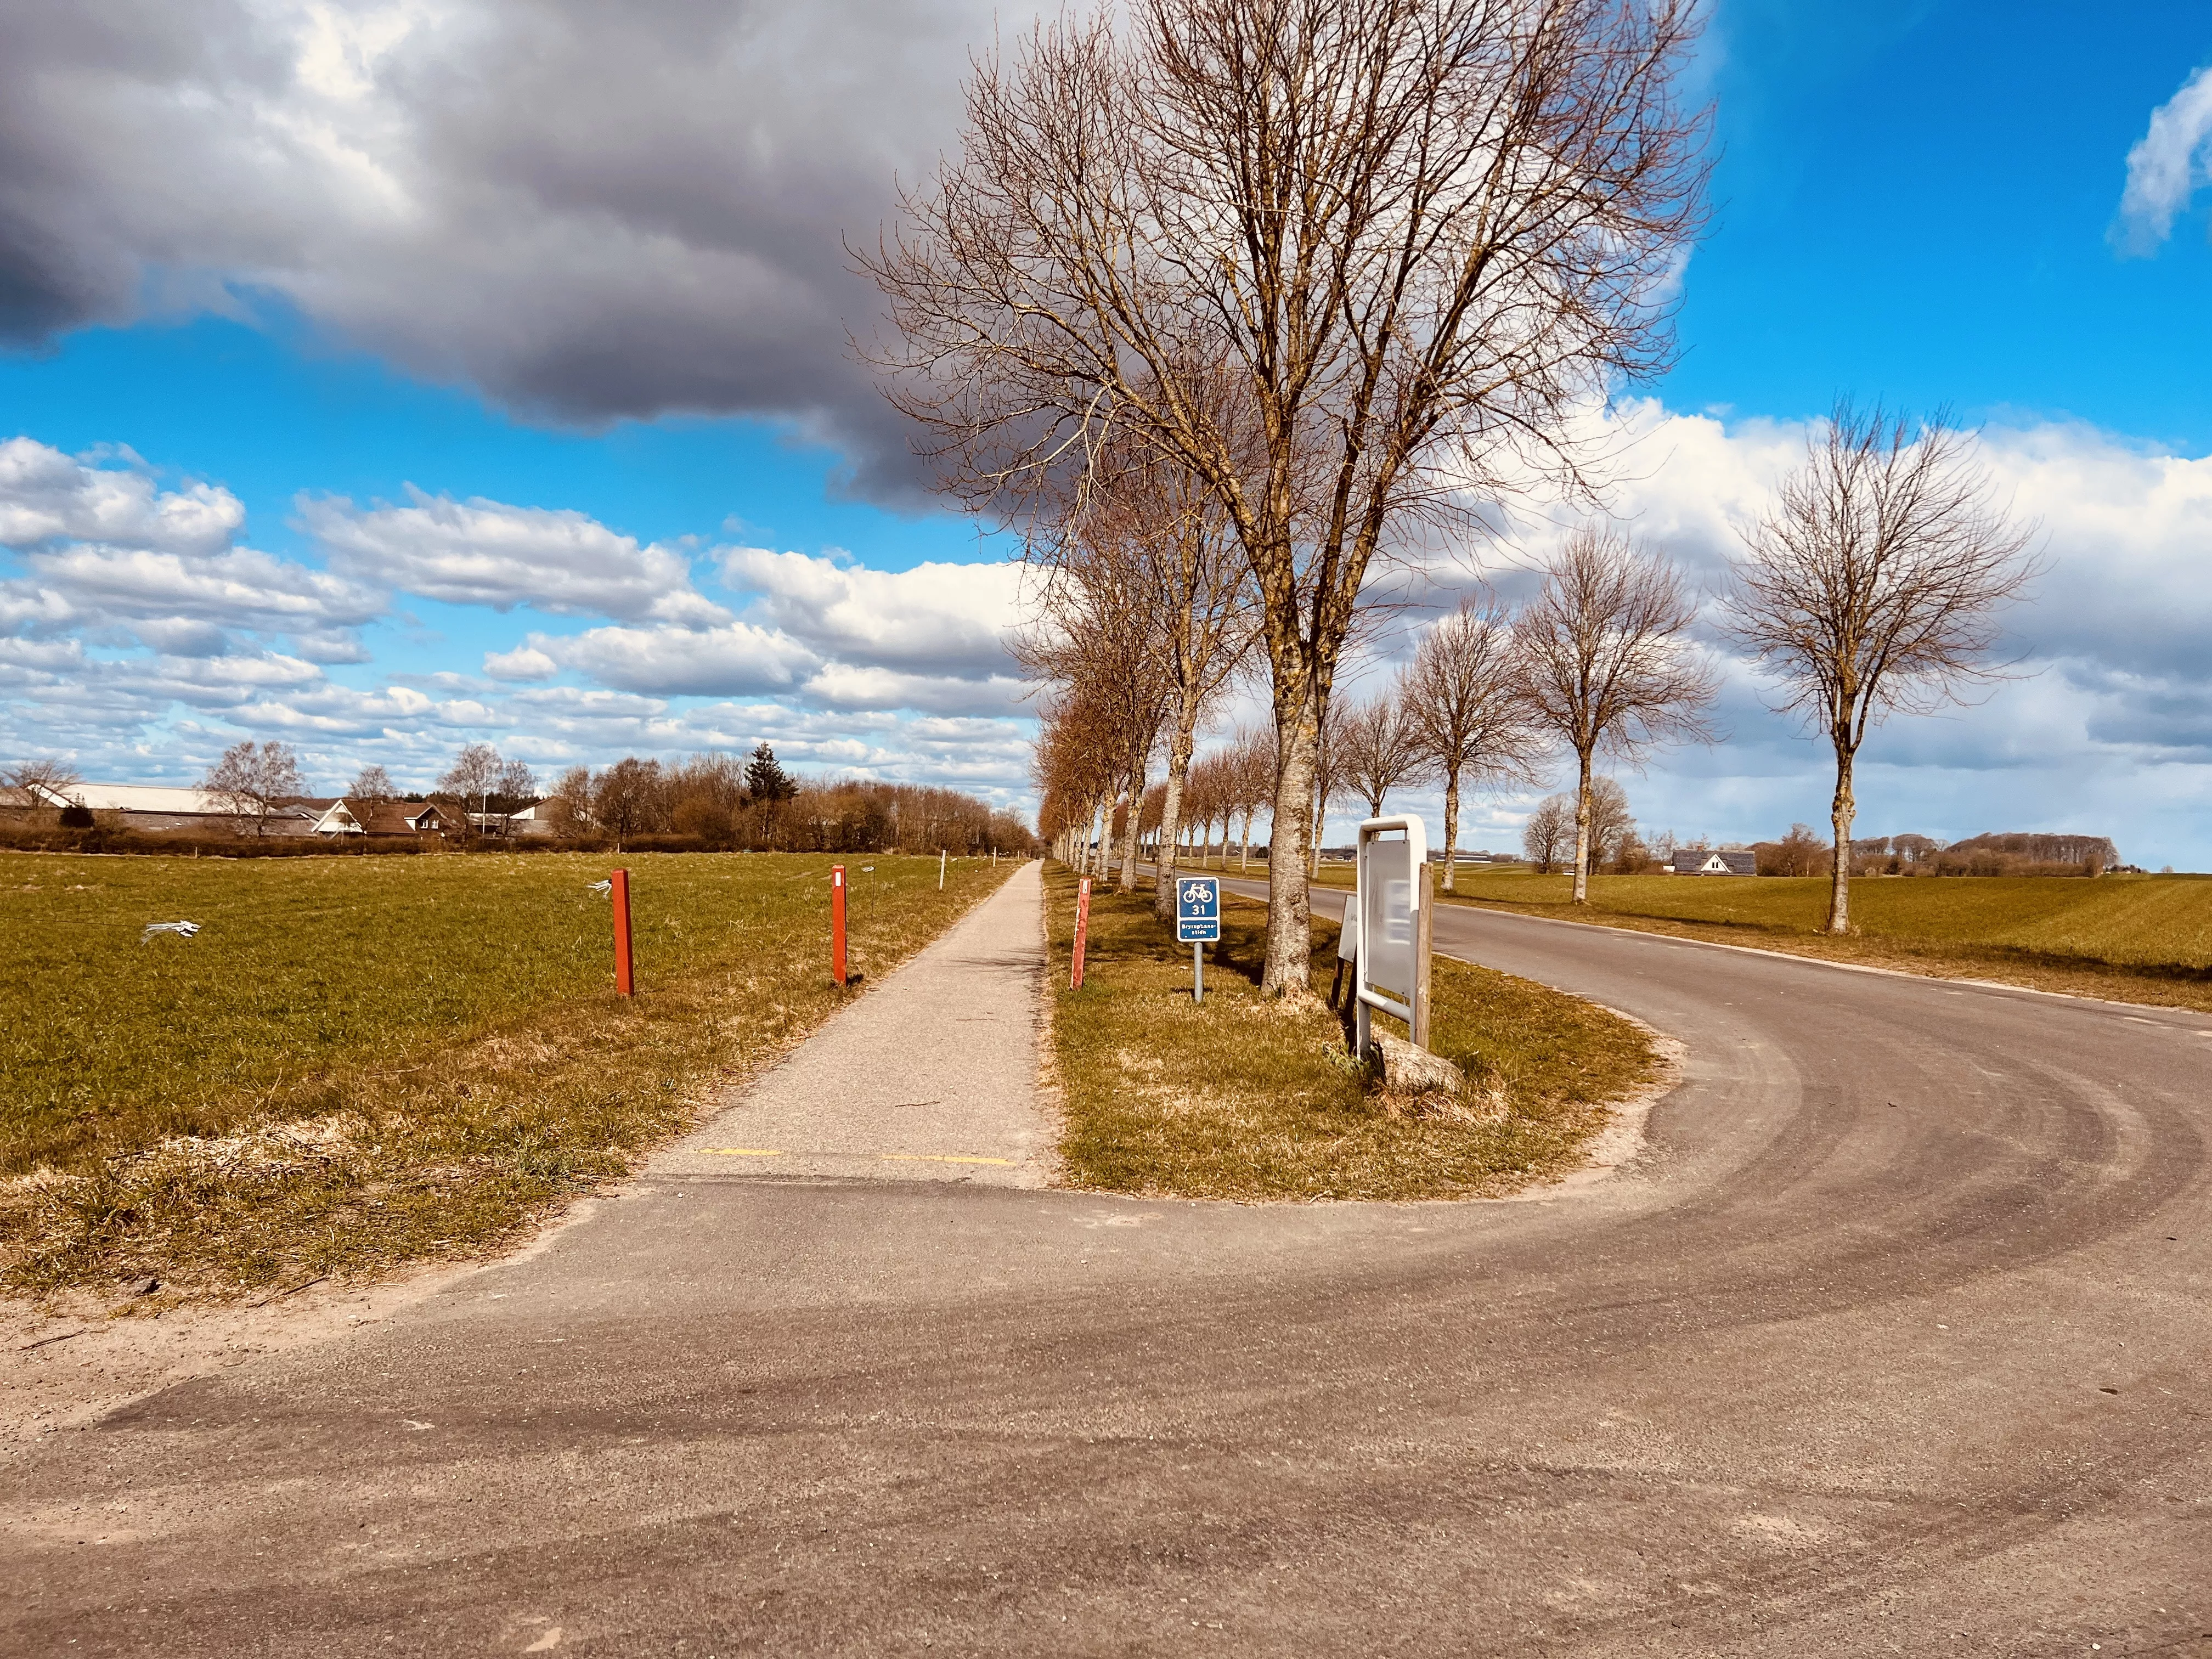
(181, 929)
(607, 886)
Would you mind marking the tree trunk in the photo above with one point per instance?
(1244, 846)
(1582, 830)
(1164, 870)
(1288, 970)
(1841, 812)
(1452, 827)
(1129, 837)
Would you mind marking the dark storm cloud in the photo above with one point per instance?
(587, 211)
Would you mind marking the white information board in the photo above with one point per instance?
(1391, 967)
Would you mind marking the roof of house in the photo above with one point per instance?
(1692, 861)
(127, 798)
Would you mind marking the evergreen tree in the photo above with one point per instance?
(766, 781)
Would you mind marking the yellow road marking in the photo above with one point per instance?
(738, 1152)
(939, 1158)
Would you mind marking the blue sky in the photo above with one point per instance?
(629, 352)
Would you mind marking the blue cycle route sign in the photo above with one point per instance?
(1198, 909)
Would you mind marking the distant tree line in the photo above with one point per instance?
(707, 802)
(716, 801)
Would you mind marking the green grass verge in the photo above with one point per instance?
(2134, 938)
(362, 1062)
(1244, 1097)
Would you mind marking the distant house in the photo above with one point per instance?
(1703, 861)
(380, 817)
(161, 809)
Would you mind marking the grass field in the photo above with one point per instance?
(1242, 1098)
(360, 1060)
(2137, 938)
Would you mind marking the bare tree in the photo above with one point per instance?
(1462, 696)
(1612, 825)
(1870, 585)
(1254, 772)
(1075, 774)
(1381, 750)
(1606, 662)
(1147, 525)
(1096, 634)
(1549, 835)
(252, 781)
(629, 799)
(1412, 239)
(371, 785)
(1328, 784)
(473, 776)
(572, 798)
(36, 783)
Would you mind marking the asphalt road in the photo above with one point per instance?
(1896, 1340)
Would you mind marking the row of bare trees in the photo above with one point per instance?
(1600, 662)
(1339, 268)
(1267, 291)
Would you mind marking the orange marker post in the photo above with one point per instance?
(1082, 927)
(837, 922)
(619, 892)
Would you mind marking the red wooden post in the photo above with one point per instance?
(1082, 926)
(837, 922)
(620, 893)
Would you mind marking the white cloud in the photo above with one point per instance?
(525, 662)
(239, 588)
(108, 553)
(482, 552)
(46, 496)
(735, 659)
(846, 685)
(2167, 165)
(934, 618)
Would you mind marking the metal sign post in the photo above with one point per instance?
(1390, 969)
(1198, 923)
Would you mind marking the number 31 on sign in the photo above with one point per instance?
(1198, 924)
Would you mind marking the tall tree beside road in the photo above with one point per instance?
(1328, 783)
(1149, 524)
(1381, 749)
(1097, 634)
(252, 781)
(1869, 586)
(1606, 662)
(1254, 771)
(1406, 242)
(1462, 696)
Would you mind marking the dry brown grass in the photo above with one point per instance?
(225, 1154)
(1242, 1098)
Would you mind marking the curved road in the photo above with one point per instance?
(1896, 1339)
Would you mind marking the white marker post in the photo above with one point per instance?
(940, 869)
(1390, 966)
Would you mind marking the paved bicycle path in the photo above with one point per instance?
(931, 1075)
